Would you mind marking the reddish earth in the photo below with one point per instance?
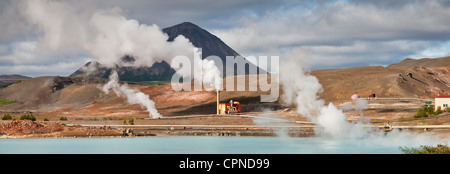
(53, 129)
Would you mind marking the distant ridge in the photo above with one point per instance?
(425, 62)
(6, 80)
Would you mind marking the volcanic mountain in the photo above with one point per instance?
(161, 71)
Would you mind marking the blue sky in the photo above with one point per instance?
(322, 33)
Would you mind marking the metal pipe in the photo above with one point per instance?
(217, 102)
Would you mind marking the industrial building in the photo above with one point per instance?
(441, 100)
(227, 108)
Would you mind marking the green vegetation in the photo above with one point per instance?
(45, 119)
(7, 117)
(63, 119)
(438, 111)
(4, 102)
(439, 149)
(28, 117)
(428, 111)
(447, 109)
(18, 81)
(130, 122)
(421, 113)
(107, 118)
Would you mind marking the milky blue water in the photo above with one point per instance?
(193, 145)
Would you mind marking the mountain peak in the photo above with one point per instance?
(210, 44)
(187, 24)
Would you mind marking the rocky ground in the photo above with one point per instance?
(377, 112)
(27, 128)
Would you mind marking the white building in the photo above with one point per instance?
(443, 101)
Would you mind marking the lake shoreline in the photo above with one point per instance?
(22, 129)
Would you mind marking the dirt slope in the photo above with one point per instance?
(47, 93)
(425, 62)
(426, 82)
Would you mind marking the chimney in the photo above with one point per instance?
(217, 102)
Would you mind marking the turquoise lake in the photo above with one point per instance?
(194, 145)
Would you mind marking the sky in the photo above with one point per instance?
(322, 33)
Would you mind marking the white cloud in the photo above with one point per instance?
(35, 70)
(21, 53)
(330, 33)
(439, 50)
(65, 29)
(28, 59)
(342, 33)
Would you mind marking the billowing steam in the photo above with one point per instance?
(302, 89)
(105, 34)
(133, 96)
(108, 36)
(299, 87)
(211, 75)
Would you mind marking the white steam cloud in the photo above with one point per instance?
(299, 87)
(109, 36)
(133, 96)
(302, 89)
(105, 34)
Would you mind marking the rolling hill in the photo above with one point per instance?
(6, 80)
(429, 77)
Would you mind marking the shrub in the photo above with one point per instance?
(45, 119)
(447, 109)
(421, 113)
(131, 122)
(28, 117)
(438, 111)
(63, 119)
(7, 117)
(429, 110)
(439, 149)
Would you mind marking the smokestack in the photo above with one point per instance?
(217, 101)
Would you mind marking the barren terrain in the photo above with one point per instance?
(81, 101)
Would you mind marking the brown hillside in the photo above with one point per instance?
(425, 62)
(428, 79)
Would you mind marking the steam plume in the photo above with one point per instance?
(133, 96)
(105, 34)
(302, 89)
(108, 36)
